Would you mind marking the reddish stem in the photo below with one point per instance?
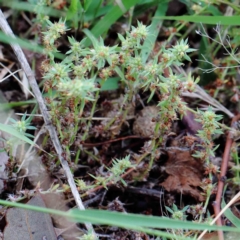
(112, 140)
(221, 181)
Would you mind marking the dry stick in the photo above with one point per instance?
(223, 176)
(201, 94)
(52, 132)
(233, 200)
(112, 140)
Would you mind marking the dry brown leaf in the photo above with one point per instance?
(63, 226)
(185, 174)
(26, 224)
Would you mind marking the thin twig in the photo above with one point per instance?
(112, 140)
(84, 118)
(17, 79)
(222, 176)
(201, 94)
(233, 200)
(52, 132)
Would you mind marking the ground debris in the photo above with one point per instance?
(27, 224)
(144, 124)
(185, 173)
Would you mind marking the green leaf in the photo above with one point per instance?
(230, 216)
(153, 31)
(135, 222)
(111, 17)
(87, 3)
(9, 129)
(187, 58)
(169, 209)
(222, 20)
(132, 220)
(214, 10)
(25, 44)
(164, 87)
(204, 51)
(91, 37)
(95, 10)
(120, 73)
(110, 84)
(74, 7)
(73, 12)
(25, 6)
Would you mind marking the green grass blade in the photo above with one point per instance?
(111, 17)
(10, 105)
(110, 84)
(90, 36)
(95, 10)
(10, 130)
(23, 43)
(73, 12)
(25, 6)
(26, 44)
(87, 3)
(222, 20)
(129, 221)
(153, 31)
(214, 11)
(83, 219)
(144, 5)
(230, 216)
(91, 16)
(204, 51)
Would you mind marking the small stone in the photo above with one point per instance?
(145, 122)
